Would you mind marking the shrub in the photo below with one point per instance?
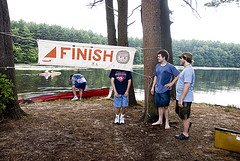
(6, 92)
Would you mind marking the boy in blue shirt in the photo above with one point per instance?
(162, 84)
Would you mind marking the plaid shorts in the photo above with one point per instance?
(184, 112)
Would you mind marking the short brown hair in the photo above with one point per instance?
(164, 53)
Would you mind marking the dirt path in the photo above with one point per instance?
(66, 130)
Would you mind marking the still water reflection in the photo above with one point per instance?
(215, 86)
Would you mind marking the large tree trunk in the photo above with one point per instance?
(151, 15)
(13, 109)
(123, 38)
(166, 40)
(156, 35)
(122, 22)
(111, 30)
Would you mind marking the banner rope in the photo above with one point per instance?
(10, 34)
(150, 79)
(7, 67)
(139, 48)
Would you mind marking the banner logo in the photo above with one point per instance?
(123, 57)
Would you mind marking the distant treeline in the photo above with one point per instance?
(206, 53)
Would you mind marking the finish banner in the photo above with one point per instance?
(85, 55)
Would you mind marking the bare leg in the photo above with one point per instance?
(123, 110)
(186, 126)
(160, 116)
(166, 113)
(74, 90)
(117, 111)
(80, 93)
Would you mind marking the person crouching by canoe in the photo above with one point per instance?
(78, 81)
(120, 81)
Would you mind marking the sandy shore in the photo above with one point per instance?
(66, 130)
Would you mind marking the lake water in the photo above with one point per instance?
(219, 86)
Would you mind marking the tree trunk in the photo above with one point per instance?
(122, 22)
(123, 39)
(151, 15)
(111, 30)
(166, 40)
(13, 109)
(156, 35)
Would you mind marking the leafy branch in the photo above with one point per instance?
(6, 92)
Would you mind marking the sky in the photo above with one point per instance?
(215, 24)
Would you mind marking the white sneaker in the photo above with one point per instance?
(75, 98)
(122, 119)
(116, 121)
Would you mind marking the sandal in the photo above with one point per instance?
(182, 137)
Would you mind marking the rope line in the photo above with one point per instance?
(10, 34)
(8, 67)
(142, 74)
(149, 84)
(139, 48)
(148, 89)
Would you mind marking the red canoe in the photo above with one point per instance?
(69, 95)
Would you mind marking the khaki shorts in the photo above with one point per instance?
(183, 113)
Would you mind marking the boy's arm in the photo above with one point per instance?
(169, 85)
(73, 81)
(114, 88)
(128, 87)
(184, 93)
(153, 85)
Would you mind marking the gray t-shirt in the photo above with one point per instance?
(186, 76)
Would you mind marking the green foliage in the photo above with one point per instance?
(205, 53)
(26, 51)
(208, 53)
(217, 3)
(6, 92)
(136, 42)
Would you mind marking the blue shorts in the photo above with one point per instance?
(162, 99)
(81, 85)
(120, 101)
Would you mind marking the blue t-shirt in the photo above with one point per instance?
(121, 78)
(186, 76)
(164, 76)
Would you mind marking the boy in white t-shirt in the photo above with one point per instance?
(78, 81)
